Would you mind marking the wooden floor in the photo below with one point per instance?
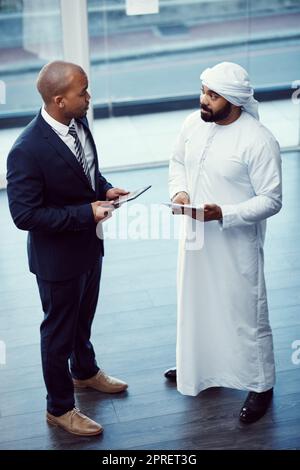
(134, 336)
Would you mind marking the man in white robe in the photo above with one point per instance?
(228, 161)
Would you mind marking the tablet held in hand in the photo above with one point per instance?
(129, 197)
(196, 212)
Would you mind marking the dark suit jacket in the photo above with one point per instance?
(50, 196)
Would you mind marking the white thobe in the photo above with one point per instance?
(223, 332)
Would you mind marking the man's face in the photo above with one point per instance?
(213, 107)
(76, 99)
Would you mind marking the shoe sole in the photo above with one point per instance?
(53, 423)
(81, 387)
(251, 421)
(171, 379)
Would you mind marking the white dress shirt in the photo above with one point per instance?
(63, 132)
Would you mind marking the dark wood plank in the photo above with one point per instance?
(134, 334)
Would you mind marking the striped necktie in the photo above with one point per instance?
(80, 153)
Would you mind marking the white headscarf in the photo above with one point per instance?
(231, 81)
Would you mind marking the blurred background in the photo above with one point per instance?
(151, 64)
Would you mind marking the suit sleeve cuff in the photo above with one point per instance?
(104, 190)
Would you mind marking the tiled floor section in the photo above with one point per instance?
(134, 338)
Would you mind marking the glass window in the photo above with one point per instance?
(161, 55)
(137, 60)
(145, 59)
(30, 36)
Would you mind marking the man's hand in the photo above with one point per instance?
(181, 198)
(212, 212)
(101, 209)
(114, 193)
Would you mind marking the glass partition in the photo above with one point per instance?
(30, 36)
(156, 58)
(159, 57)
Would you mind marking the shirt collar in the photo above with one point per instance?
(59, 127)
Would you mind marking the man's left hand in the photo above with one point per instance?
(114, 193)
(212, 212)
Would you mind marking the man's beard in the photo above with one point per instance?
(218, 116)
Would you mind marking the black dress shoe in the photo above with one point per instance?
(255, 406)
(170, 374)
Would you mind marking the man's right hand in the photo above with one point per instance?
(101, 209)
(181, 198)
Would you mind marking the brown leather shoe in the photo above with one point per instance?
(76, 423)
(102, 382)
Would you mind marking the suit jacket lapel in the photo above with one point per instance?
(62, 149)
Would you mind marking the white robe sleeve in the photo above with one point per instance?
(177, 173)
(264, 168)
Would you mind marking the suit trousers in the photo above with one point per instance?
(69, 308)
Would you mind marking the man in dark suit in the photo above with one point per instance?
(57, 193)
